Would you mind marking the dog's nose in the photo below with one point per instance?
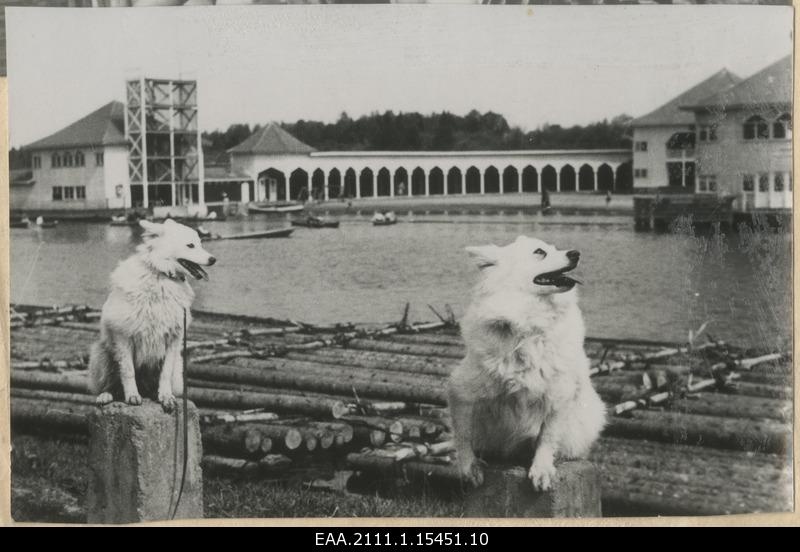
(573, 255)
(211, 260)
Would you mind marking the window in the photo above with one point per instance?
(701, 186)
(57, 193)
(756, 128)
(98, 158)
(640, 173)
(55, 161)
(37, 162)
(80, 161)
(69, 192)
(707, 133)
(68, 159)
(782, 127)
(707, 183)
(763, 182)
(80, 192)
(748, 183)
(640, 146)
(777, 183)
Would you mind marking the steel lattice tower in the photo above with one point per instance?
(165, 154)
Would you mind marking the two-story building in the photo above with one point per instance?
(744, 140)
(82, 167)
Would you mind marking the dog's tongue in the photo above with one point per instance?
(194, 269)
(565, 281)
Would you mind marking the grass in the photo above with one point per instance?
(49, 478)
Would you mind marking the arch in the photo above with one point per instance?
(530, 179)
(383, 182)
(472, 180)
(549, 178)
(298, 185)
(318, 184)
(335, 184)
(401, 181)
(436, 181)
(418, 181)
(782, 127)
(623, 181)
(454, 181)
(366, 183)
(510, 180)
(271, 185)
(756, 128)
(586, 178)
(605, 178)
(349, 183)
(567, 177)
(491, 180)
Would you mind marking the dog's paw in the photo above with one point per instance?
(134, 399)
(167, 401)
(472, 471)
(103, 399)
(542, 475)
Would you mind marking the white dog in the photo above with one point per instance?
(523, 387)
(142, 324)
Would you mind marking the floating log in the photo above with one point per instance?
(706, 431)
(376, 360)
(319, 383)
(240, 441)
(46, 416)
(278, 402)
(44, 395)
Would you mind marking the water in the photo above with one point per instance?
(640, 285)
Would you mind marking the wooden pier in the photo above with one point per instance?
(694, 429)
(659, 212)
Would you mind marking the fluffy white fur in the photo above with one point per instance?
(141, 327)
(525, 376)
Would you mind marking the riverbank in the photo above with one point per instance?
(563, 203)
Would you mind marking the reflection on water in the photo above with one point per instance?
(635, 284)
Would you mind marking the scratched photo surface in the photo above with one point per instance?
(320, 194)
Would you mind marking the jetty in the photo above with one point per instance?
(695, 428)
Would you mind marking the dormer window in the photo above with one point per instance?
(756, 128)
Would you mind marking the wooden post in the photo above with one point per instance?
(507, 492)
(136, 464)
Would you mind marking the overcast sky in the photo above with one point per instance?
(556, 64)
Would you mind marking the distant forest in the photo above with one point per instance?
(416, 132)
(435, 132)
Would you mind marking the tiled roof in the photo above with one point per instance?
(770, 86)
(671, 113)
(104, 127)
(273, 140)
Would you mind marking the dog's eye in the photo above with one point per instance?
(540, 252)
(190, 245)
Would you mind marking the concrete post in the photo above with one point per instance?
(286, 186)
(426, 175)
(358, 183)
(136, 462)
(594, 178)
(446, 178)
(558, 180)
(483, 188)
(462, 177)
(507, 492)
(410, 175)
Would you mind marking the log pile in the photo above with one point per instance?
(687, 423)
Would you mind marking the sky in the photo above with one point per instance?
(533, 64)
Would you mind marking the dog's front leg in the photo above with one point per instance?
(127, 372)
(543, 470)
(172, 363)
(462, 411)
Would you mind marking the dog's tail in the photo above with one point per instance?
(101, 369)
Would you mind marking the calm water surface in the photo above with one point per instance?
(635, 284)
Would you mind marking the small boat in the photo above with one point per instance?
(276, 233)
(285, 207)
(41, 223)
(316, 222)
(196, 218)
(384, 219)
(124, 220)
(22, 223)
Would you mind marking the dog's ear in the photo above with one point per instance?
(170, 222)
(484, 255)
(151, 228)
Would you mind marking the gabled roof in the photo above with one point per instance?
(273, 140)
(104, 127)
(770, 86)
(671, 113)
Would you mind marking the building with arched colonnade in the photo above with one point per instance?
(281, 167)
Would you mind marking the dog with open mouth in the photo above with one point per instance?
(523, 388)
(144, 318)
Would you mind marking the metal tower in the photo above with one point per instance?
(165, 154)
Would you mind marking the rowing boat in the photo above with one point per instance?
(275, 233)
(287, 207)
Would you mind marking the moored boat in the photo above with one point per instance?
(284, 207)
(274, 233)
(315, 222)
(384, 218)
